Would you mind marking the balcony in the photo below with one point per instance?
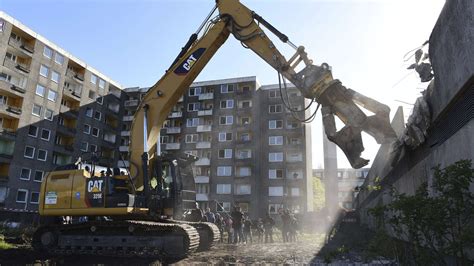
(69, 112)
(74, 94)
(173, 130)
(64, 148)
(127, 118)
(175, 115)
(203, 145)
(204, 128)
(75, 76)
(172, 146)
(202, 197)
(16, 66)
(125, 133)
(10, 110)
(7, 133)
(201, 179)
(114, 108)
(131, 103)
(22, 46)
(203, 162)
(205, 112)
(124, 148)
(206, 96)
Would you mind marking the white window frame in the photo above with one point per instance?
(36, 134)
(227, 154)
(51, 117)
(223, 189)
(196, 91)
(86, 146)
(246, 152)
(88, 131)
(52, 95)
(245, 101)
(42, 67)
(194, 122)
(274, 157)
(49, 134)
(93, 79)
(274, 206)
(274, 191)
(42, 176)
(26, 195)
(100, 115)
(273, 94)
(42, 87)
(45, 54)
(45, 157)
(273, 124)
(101, 83)
(92, 149)
(225, 88)
(91, 114)
(229, 120)
(227, 104)
(223, 136)
(247, 172)
(192, 138)
(278, 108)
(58, 61)
(31, 197)
(273, 174)
(34, 151)
(98, 132)
(224, 171)
(55, 76)
(29, 173)
(195, 107)
(275, 140)
(238, 188)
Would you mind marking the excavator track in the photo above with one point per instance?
(209, 234)
(145, 239)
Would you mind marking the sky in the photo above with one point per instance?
(134, 42)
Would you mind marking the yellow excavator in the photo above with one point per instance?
(139, 212)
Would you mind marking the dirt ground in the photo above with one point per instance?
(301, 252)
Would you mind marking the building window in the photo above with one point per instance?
(25, 174)
(227, 88)
(93, 79)
(44, 71)
(245, 104)
(48, 114)
(48, 52)
(89, 112)
(84, 146)
(92, 95)
(100, 100)
(225, 154)
(38, 176)
(224, 171)
(29, 152)
(295, 192)
(223, 207)
(55, 76)
(244, 171)
(191, 138)
(246, 89)
(274, 208)
(52, 95)
(97, 115)
(245, 120)
(193, 107)
(33, 131)
(295, 141)
(95, 132)
(40, 90)
(275, 140)
(275, 173)
(42, 155)
(274, 94)
(192, 122)
(276, 108)
(226, 120)
(227, 104)
(242, 189)
(275, 124)
(275, 191)
(224, 188)
(21, 195)
(295, 157)
(92, 148)
(34, 198)
(101, 83)
(275, 157)
(45, 134)
(295, 174)
(245, 137)
(59, 58)
(164, 139)
(87, 129)
(194, 91)
(244, 154)
(225, 136)
(202, 188)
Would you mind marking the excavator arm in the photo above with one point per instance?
(315, 82)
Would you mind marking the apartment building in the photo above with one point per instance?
(349, 182)
(252, 151)
(53, 108)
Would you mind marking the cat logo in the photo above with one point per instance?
(94, 186)
(187, 64)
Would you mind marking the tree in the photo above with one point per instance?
(318, 194)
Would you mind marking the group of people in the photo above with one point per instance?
(239, 228)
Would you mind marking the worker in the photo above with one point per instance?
(268, 224)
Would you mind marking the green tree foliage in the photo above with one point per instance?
(437, 220)
(319, 199)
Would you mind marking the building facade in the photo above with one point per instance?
(252, 151)
(349, 182)
(53, 109)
